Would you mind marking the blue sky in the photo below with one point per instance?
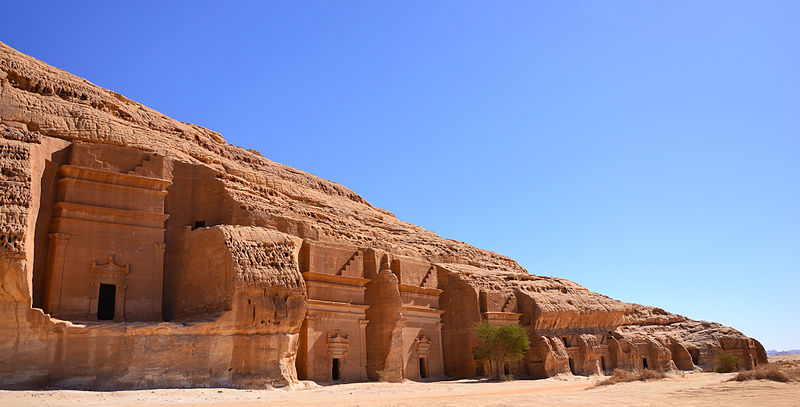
(646, 150)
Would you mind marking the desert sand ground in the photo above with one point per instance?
(690, 389)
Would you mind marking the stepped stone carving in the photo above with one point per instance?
(139, 251)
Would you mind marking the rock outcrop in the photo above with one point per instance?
(139, 251)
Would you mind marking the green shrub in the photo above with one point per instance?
(726, 362)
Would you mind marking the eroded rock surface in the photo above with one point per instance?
(140, 251)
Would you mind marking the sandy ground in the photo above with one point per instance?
(696, 389)
(691, 389)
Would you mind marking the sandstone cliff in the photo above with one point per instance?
(199, 243)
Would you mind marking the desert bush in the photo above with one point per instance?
(726, 362)
(622, 376)
(777, 372)
(500, 344)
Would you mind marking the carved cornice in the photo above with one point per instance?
(123, 217)
(334, 279)
(112, 179)
(429, 292)
(506, 317)
(335, 306)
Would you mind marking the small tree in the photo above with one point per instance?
(500, 344)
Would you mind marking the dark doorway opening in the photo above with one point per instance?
(603, 363)
(106, 302)
(644, 363)
(566, 345)
(199, 224)
(506, 370)
(335, 369)
(423, 369)
(571, 366)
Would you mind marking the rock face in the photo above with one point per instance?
(139, 251)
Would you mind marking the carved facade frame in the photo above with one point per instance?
(112, 274)
(338, 346)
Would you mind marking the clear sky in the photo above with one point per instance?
(646, 150)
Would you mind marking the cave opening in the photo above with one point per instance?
(571, 366)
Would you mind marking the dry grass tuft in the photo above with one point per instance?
(777, 372)
(622, 376)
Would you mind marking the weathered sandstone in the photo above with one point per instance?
(140, 251)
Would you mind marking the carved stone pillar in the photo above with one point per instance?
(362, 323)
(55, 279)
(158, 265)
(440, 355)
(119, 311)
